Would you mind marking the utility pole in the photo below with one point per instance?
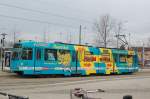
(69, 37)
(105, 38)
(3, 39)
(44, 37)
(44, 34)
(14, 37)
(80, 29)
(60, 35)
(117, 36)
(143, 55)
(117, 39)
(119, 28)
(2, 48)
(129, 42)
(14, 34)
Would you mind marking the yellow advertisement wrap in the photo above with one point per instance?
(86, 59)
(64, 58)
(107, 58)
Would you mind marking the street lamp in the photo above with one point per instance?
(3, 39)
(80, 29)
(2, 48)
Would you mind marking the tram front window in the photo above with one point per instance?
(15, 55)
(26, 54)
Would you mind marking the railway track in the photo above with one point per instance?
(69, 81)
(25, 81)
(28, 81)
(19, 81)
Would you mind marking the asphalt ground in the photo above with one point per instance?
(12, 80)
(115, 86)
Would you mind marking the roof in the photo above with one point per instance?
(45, 44)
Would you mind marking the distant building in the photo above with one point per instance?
(144, 55)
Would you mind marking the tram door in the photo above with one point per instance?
(7, 58)
(38, 61)
(74, 62)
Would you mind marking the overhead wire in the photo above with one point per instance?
(44, 12)
(38, 21)
(75, 10)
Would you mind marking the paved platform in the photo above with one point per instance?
(138, 87)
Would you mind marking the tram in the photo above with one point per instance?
(40, 58)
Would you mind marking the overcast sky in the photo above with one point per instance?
(60, 19)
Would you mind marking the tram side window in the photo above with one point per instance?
(123, 59)
(38, 54)
(116, 57)
(74, 56)
(15, 55)
(130, 58)
(63, 55)
(105, 56)
(50, 55)
(27, 54)
(64, 51)
(89, 57)
(80, 56)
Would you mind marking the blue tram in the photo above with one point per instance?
(37, 58)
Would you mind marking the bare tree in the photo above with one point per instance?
(103, 27)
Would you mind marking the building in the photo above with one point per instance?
(144, 55)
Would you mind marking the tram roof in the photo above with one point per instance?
(47, 44)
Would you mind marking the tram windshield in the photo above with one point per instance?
(16, 52)
(26, 54)
(17, 46)
(22, 54)
(15, 55)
